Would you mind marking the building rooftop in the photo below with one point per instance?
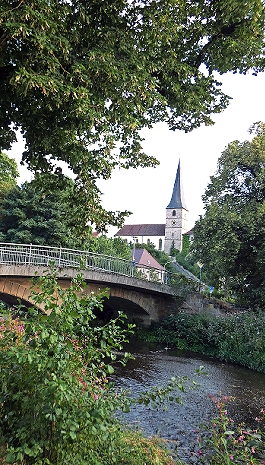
(142, 230)
(144, 258)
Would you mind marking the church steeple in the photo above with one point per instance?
(177, 199)
(176, 216)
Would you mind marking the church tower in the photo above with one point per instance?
(176, 217)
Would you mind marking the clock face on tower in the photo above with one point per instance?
(176, 222)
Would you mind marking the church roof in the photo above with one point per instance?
(144, 258)
(177, 199)
(142, 230)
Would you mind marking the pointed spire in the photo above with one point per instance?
(177, 199)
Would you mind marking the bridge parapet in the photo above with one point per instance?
(35, 255)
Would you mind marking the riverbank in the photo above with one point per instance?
(237, 338)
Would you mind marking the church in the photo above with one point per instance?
(163, 236)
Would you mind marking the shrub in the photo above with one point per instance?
(54, 374)
(237, 338)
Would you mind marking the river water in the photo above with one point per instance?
(178, 424)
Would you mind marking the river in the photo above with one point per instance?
(178, 425)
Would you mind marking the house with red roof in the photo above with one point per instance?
(144, 261)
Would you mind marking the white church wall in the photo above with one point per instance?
(156, 240)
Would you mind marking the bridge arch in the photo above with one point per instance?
(113, 305)
(143, 301)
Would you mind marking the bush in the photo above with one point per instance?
(237, 338)
(54, 374)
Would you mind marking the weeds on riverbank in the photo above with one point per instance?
(228, 444)
(127, 448)
(237, 338)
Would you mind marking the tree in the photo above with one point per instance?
(230, 237)
(116, 247)
(30, 215)
(80, 79)
(8, 175)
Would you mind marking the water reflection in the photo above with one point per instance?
(178, 424)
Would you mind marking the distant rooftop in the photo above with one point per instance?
(144, 258)
(142, 230)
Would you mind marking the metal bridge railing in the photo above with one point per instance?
(30, 254)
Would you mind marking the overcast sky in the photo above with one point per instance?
(146, 192)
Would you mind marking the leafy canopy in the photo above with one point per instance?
(80, 79)
(8, 175)
(230, 237)
(31, 215)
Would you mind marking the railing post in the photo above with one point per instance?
(60, 254)
(132, 267)
(30, 246)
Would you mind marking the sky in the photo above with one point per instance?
(146, 192)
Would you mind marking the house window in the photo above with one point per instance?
(174, 213)
(160, 244)
(172, 234)
(136, 241)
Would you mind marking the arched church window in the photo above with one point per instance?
(160, 244)
(174, 213)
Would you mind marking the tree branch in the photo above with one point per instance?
(225, 31)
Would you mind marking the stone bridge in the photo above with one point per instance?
(142, 301)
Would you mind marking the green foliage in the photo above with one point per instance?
(116, 247)
(4, 309)
(80, 79)
(8, 175)
(188, 262)
(54, 370)
(186, 258)
(30, 215)
(230, 237)
(126, 448)
(226, 443)
(185, 245)
(237, 338)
